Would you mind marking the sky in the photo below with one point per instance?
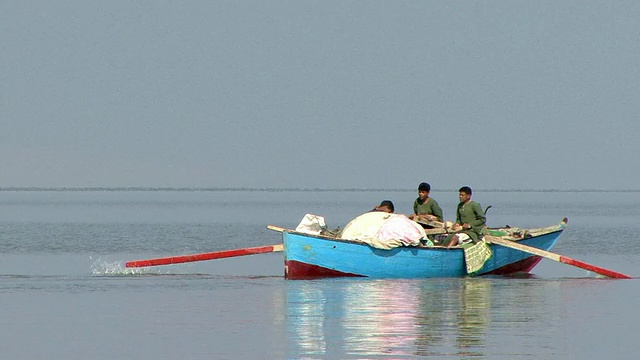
(320, 94)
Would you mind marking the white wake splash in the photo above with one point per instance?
(117, 268)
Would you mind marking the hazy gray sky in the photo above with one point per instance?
(329, 94)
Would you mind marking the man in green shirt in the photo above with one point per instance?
(425, 208)
(470, 219)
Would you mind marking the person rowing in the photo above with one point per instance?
(470, 220)
(426, 208)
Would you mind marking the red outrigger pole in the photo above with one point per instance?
(204, 256)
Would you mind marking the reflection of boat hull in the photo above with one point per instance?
(310, 256)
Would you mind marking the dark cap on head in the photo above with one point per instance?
(424, 187)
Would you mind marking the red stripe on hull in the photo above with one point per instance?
(524, 265)
(295, 270)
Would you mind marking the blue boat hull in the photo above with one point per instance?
(308, 257)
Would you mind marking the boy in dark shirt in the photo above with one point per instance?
(425, 208)
(470, 219)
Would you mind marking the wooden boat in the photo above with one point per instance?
(309, 256)
(324, 254)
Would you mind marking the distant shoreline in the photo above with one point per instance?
(234, 189)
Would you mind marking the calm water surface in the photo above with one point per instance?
(65, 292)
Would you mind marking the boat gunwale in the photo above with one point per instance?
(539, 232)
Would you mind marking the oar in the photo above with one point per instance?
(276, 228)
(205, 256)
(555, 257)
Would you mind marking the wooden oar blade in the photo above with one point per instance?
(555, 257)
(205, 256)
(593, 268)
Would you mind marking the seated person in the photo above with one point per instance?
(424, 207)
(470, 219)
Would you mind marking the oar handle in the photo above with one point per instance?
(276, 228)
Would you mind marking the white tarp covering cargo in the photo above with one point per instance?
(311, 224)
(384, 230)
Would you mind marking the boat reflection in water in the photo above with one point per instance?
(345, 317)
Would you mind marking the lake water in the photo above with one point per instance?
(65, 293)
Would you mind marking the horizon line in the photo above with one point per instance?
(276, 189)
